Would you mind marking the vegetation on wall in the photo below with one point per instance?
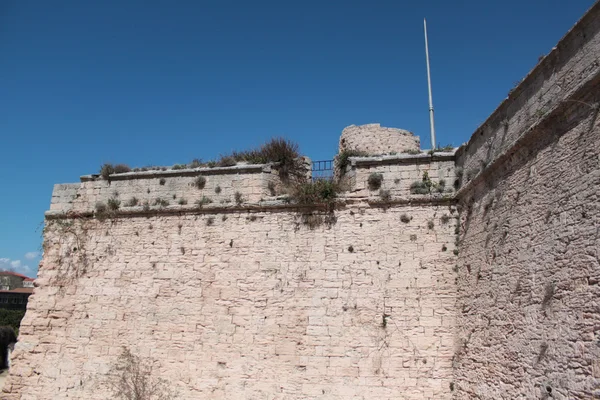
(132, 378)
(343, 159)
(321, 191)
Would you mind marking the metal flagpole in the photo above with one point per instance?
(429, 85)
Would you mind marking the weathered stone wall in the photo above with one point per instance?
(374, 139)
(177, 187)
(529, 273)
(236, 304)
(399, 172)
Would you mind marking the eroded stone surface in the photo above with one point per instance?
(374, 139)
(248, 306)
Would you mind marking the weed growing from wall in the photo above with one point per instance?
(132, 378)
(374, 181)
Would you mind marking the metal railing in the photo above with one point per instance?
(322, 170)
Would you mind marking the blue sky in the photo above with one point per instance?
(163, 82)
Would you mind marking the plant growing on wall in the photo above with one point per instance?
(374, 181)
(200, 182)
(132, 378)
(342, 160)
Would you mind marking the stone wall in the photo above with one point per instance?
(177, 187)
(529, 272)
(234, 304)
(374, 139)
(398, 173)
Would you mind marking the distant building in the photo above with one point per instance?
(15, 290)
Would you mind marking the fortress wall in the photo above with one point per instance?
(375, 139)
(399, 172)
(548, 89)
(251, 181)
(251, 305)
(528, 325)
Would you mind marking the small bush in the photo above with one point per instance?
(411, 151)
(315, 192)
(385, 195)
(179, 166)
(113, 204)
(203, 201)
(374, 181)
(446, 148)
(419, 187)
(162, 181)
(405, 218)
(210, 221)
(239, 199)
(195, 163)
(161, 202)
(200, 182)
(343, 158)
(101, 208)
(442, 183)
(122, 168)
(146, 206)
(445, 218)
(218, 189)
(182, 201)
(211, 164)
(130, 378)
(226, 161)
(132, 202)
(455, 252)
(430, 224)
(106, 170)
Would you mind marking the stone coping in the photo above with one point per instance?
(403, 158)
(264, 206)
(235, 169)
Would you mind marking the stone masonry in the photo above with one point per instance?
(374, 139)
(486, 289)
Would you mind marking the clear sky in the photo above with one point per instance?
(163, 82)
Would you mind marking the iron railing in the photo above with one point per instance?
(322, 170)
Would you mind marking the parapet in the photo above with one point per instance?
(374, 139)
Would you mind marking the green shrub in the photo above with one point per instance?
(113, 204)
(182, 201)
(405, 218)
(200, 182)
(317, 192)
(162, 181)
(218, 189)
(385, 195)
(161, 202)
(203, 201)
(179, 166)
(412, 151)
(195, 163)
(343, 158)
(239, 199)
(374, 181)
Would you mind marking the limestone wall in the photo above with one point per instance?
(234, 304)
(375, 139)
(177, 187)
(529, 273)
(398, 173)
